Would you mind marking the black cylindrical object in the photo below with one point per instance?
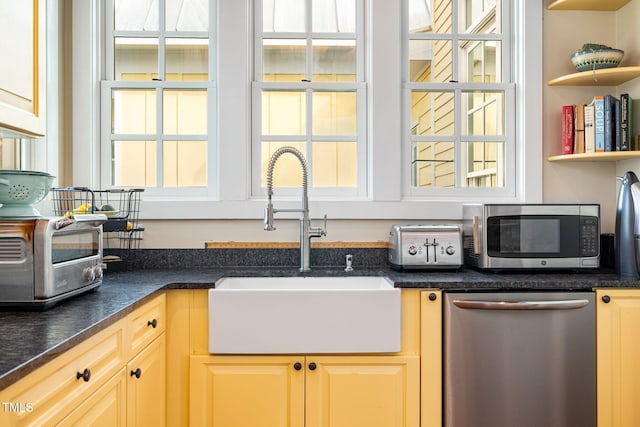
(625, 251)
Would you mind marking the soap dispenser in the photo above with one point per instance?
(625, 247)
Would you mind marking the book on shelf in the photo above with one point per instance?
(578, 128)
(589, 129)
(630, 126)
(626, 123)
(610, 122)
(617, 126)
(604, 125)
(598, 103)
(567, 129)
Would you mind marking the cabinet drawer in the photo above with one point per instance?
(47, 395)
(145, 324)
(104, 407)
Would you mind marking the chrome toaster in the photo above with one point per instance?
(425, 247)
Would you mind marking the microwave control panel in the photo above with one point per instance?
(589, 236)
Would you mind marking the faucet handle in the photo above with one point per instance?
(319, 231)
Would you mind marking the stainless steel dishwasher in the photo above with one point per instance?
(519, 359)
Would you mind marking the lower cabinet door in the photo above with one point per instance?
(104, 408)
(146, 391)
(618, 353)
(247, 391)
(363, 391)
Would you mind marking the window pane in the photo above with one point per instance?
(476, 13)
(335, 164)
(287, 171)
(284, 113)
(420, 59)
(432, 113)
(485, 164)
(187, 59)
(134, 111)
(485, 113)
(283, 16)
(334, 113)
(284, 60)
(136, 58)
(182, 15)
(482, 63)
(134, 163)
(430, 61)
(184, 112)
(138, 15)
(184, 163)
(421, 16)
(334, 16)
(334, 60)
(433, 164)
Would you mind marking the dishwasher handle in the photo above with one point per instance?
(521, 305)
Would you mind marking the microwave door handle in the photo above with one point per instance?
(476, 235)
(522, 305)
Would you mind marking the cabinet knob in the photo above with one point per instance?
(312, 366)
(85, 375)
(606, 299)
(136, 373)
(297, 366)
(153, 323)
(433, 296)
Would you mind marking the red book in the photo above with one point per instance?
(567, 129)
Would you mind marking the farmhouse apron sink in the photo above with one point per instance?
(303, 315)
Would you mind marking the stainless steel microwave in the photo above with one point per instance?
(531, 236)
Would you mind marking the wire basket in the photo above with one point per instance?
(121, 232)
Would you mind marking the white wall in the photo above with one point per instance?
(194, 233)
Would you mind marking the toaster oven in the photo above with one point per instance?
(46, 259)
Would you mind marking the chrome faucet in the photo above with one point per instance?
(306, 230)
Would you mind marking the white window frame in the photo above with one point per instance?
(385, 126)
(160, 85)
(309, 87)
(460, 138)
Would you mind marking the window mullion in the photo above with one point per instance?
(309, 39)
(457, 132)
(360, 43)
(110, 42)
(309, 136)
(159, 136)
(162, 67)
(161, 42)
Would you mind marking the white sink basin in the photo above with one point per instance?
(289, 315)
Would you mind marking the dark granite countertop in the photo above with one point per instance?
(29, 339)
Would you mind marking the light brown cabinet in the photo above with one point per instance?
(114, 378)
(22, 75)
(618, 352)
(313, 390)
